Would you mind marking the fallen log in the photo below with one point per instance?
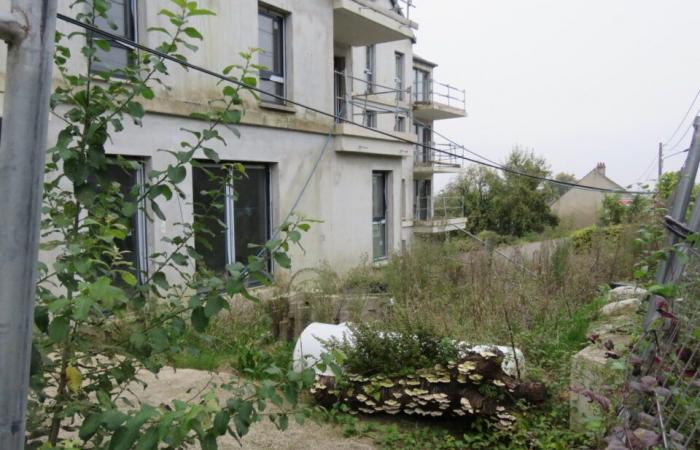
(476, 385)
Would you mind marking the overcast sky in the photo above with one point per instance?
(579, 81)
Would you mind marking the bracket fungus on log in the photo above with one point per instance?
(474, 385)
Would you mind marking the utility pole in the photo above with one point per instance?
(29, 31)
(661, 163)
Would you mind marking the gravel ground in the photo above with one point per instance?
(183, 384)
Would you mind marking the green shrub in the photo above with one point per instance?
(380, 350)
(584, 237)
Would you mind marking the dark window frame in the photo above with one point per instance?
(130, 32)
(383, 220)
(139, 222)
(370, 67)
(400, 76)
(228, 216)
(279, 76)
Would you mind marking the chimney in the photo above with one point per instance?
(600, 168)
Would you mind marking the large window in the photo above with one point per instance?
(370, 64)
(400, 75)
(128, 177)
(272, 55)
(421, 86)
(424, 150)
(340, 89)
(380, 209)
(231, 213)
(423, 199)
(121, 20)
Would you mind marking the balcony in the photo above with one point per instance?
(438, 101)
(439, 215)
(364, 22)
(435, 158)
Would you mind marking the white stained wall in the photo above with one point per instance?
(289, 142)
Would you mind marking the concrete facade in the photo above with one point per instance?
(580, 208)
(289, 139)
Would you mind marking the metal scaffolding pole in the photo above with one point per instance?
(29, 32)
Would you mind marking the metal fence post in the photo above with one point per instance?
(683, 192)
(679, 208)
(29, 32)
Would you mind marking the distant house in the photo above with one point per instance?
(580, 208)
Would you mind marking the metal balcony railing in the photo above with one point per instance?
(352, 101)
(434, 92)
(438, 208)
(403, 7)
(437, 153)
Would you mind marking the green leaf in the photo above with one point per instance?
(135, 109)
(159, 340)
(214, 305)
(211, 154)
(157, 211)
(90, 426)
(113, 419)
(41, 318)
(283, 422)
(221, 421)
(128, 278)
(58, 329)
(177, 174)
(209, 442)
(161, 281)
(123, 438)
(149, 440)
(231, 117)
(283, 260)
(199, 319)
(294, 236)
(193, 33)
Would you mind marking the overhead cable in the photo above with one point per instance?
(506, 169)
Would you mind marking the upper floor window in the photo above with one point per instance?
(421, 85)
(400, 75)
(400, 124)
(272, 55)
(370, 118)
(370, 65)
(120, 20)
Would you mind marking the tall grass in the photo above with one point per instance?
(542, 304)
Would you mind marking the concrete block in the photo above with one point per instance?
(591, 369)
(627, 307)
(626, 292)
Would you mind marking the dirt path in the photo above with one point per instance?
(183, 384)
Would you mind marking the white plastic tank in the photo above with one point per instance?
(310, 346)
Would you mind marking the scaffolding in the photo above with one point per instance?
(433, 92)
(353, 97)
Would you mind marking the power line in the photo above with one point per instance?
(136, 45)
(646, 171)
(685, 116)
(687, 130)
(675, 154)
